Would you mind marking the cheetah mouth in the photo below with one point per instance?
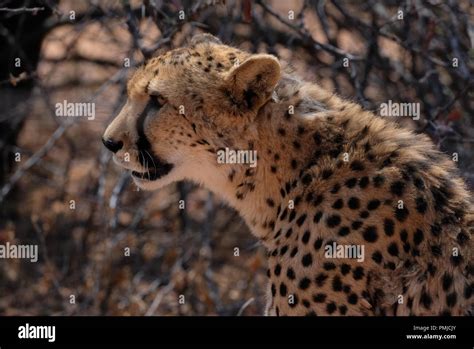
(158, 171)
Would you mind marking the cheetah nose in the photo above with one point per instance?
(113, 146)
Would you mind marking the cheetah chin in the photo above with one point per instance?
(359, 215)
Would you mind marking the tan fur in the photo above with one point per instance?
(241, 101)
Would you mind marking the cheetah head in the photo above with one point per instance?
(186, 104)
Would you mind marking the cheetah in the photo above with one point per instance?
(329, 174)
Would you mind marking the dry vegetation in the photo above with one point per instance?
(188, 252)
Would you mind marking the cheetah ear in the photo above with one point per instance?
(251, 83)
(205, 38)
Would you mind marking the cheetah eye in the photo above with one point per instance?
(158, 101)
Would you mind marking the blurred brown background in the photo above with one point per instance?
(187, 252)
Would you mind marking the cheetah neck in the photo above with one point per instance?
(283, 142)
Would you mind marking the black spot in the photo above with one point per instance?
(277, 233)
(421, 205)
(326, 174)
(294, 164)
(317, 217)
(426, 300)
(352, 298)
(388, 227)
(293, 252)
(356, 225)
(436, 230)
(292, 216)
(271, 224)
(364, 214)
(329, 266)
(270, 202)
(319, 298)
(296, 145)
(378, 181)
(320, 279)
(277, 270)
(283, 214)
(331, 307)
(397, 188)
(283, 289)
(342, 309)
(273, 290)
(289, 232)
(447, 281)
(436, 250)
(317, 138)
(350, 183)
(307, 260)
(404, 235)
(451, 299)
(301, 220)
(307, 305)
(407, 264)
(441, 195)
(337, 284)
(468, 291)
(307, 179)
(290, 273)
(318, 200)
(357, 165)
(370, 234)
(358, 273)
(419, 184)
(306, 237)
(401, 214)
(377, 257)
(392, 249)
(345, 269)
(318, 243)
(462, 238)
(364, 182)
(418, 237)
(373, 204)
(338, 204)
(335, 188)
(283, 250)
(298, 198)
(281, 131)
(333, 221)
(344, 231)
(390, 265)
(304, 283)
(431, 269)
(353, 203)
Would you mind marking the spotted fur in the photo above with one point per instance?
(328, 171)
